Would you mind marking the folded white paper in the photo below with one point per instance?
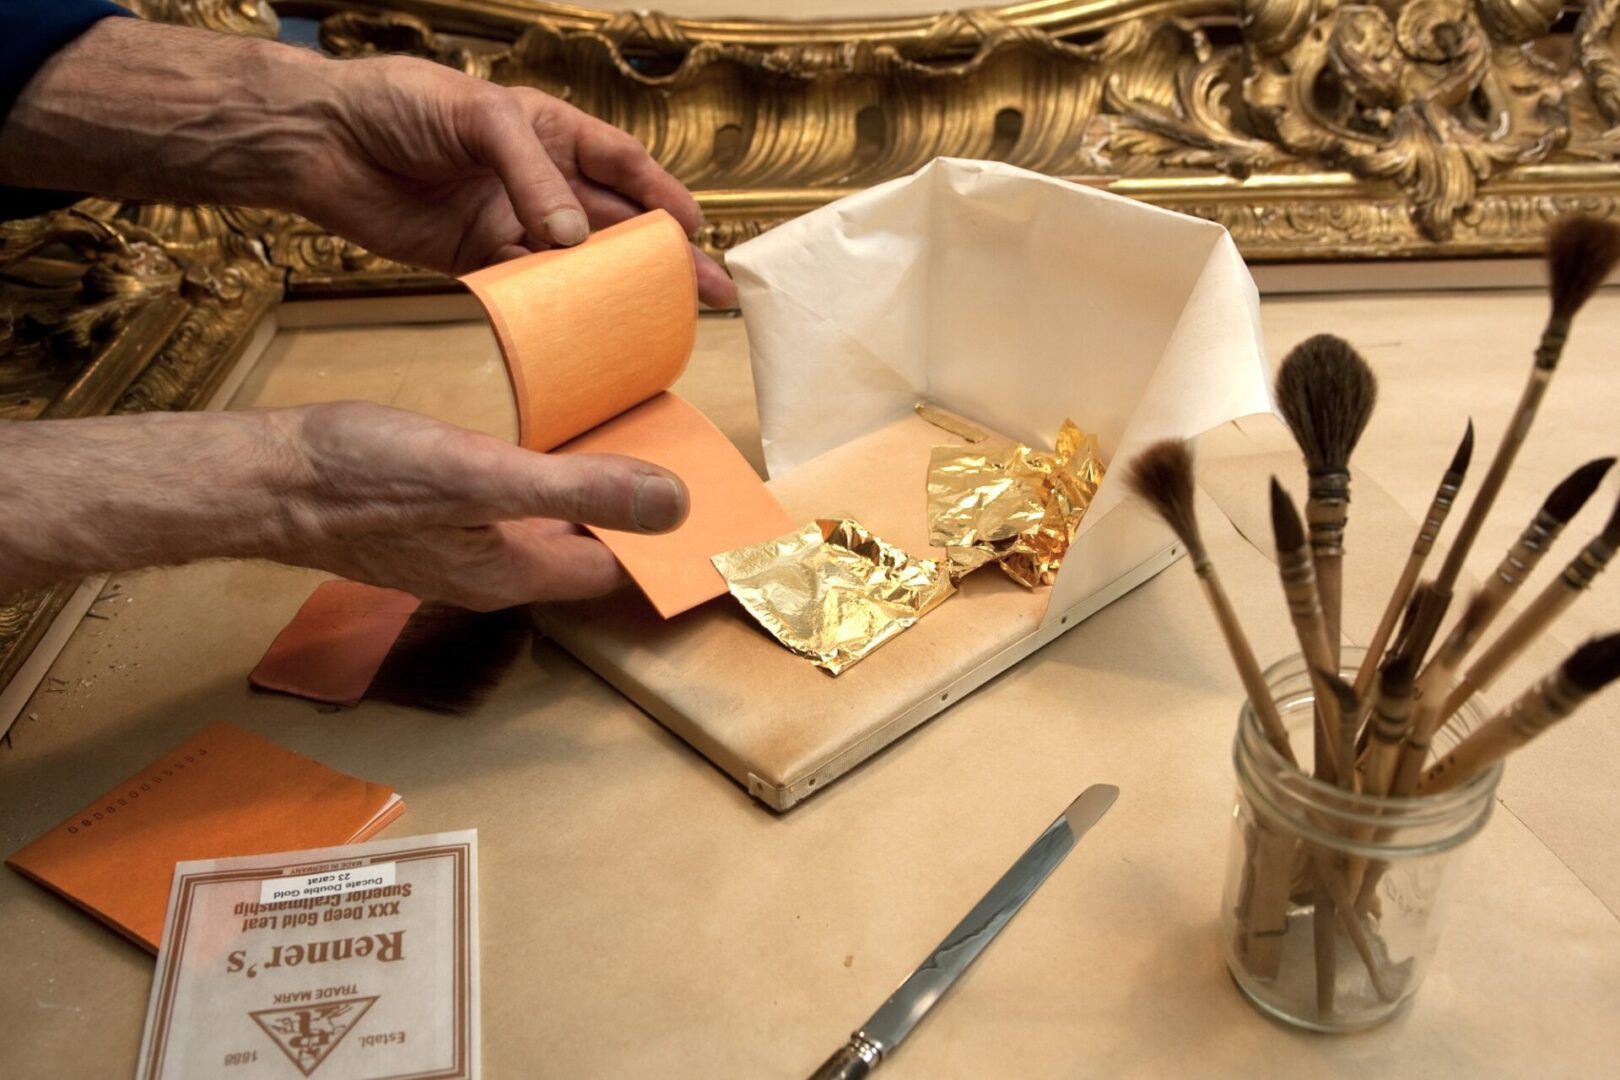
(1012, 298)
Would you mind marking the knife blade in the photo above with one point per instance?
(887, 1029)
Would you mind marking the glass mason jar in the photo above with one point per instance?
(1379, 866)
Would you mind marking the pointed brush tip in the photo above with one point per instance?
(1286, 528)
(1595, 664)
(1611, 528)
(1575, 489)
(1465, 451)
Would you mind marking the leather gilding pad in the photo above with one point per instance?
(593, 337)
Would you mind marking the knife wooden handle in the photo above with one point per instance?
(852, 1061)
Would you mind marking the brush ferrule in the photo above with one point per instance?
(1299, 585)
(1552, 699)
(1326, 509)
(1390, 719)
(1552, 342)
(1533, 544)
(1439, 509)
(1586, 566)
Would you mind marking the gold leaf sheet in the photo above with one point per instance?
(832, 591)
(1012, 505)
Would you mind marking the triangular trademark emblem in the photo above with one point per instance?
(308, 1033)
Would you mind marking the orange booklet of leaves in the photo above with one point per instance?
(226, 792)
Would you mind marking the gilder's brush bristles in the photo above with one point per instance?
(1326, 392)
(1465, 452)
(1286, 526)
(1581, 250)
(1571, 494)
(1163, 475)
(1595, 664)
(1611, 530)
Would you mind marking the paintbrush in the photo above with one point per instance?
(1439, 509)
(1588, 670)
(1337, 708)
(1404, 766)
(1432, 684)
(1581, 251)
(1391, 716)
(1553, 601)
(1408, 621)
(1305, 610)
(1326, 393)
(1163, 475)
(1521, 560)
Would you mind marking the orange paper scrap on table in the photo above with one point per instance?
(226, 792)
(594, 336)
(334, 645)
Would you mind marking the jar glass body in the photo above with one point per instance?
(1334, 901)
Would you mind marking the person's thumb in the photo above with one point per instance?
(604, 490)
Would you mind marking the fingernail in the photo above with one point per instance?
(660, 503)
(567, 227)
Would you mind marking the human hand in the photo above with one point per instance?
(375, 494)
(408, 158)
(397, 499)
(436, 168)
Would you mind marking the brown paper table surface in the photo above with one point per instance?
(642, 916)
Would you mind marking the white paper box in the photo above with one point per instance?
(1017, 300)
(1011, 298)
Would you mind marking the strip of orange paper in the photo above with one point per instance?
(594, 336)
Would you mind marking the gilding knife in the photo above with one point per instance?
(890, 1025)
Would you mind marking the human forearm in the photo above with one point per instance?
(141, 110)
(371, 493)
(87, 496)
(408, 158)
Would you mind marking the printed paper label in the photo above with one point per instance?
(346, 963)
(339, 880)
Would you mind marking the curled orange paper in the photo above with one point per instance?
(594, 336)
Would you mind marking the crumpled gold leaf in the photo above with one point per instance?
(1012, 505)
(832, 591)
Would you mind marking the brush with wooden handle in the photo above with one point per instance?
(1581, 250)
(1391, 716)
(1552, 602)
(1589, 669)
(1520, 562)
(1326, 393)
(1432, 684)
(1305, 611)
(1445, 496)
(1163, 475)
(1404, 765)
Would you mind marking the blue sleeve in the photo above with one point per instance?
(30, 33)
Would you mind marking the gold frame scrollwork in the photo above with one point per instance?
(1311, 129)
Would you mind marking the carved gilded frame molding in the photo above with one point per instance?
(1312, 129)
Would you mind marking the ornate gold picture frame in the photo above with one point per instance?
(1312, 129)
